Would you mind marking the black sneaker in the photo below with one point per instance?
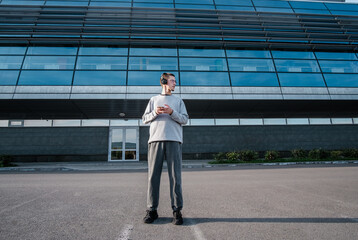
(151, 216)
(177, 218)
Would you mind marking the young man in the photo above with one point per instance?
(166, 114)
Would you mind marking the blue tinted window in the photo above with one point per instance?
(248, 54)
(266, 9)
(341, 80)
(194, 6)
(28, 77)
(251, 65)
(17, 2)
(100, 78)
(301, 80)
(13, 50)
(8, 77)
(202, 52)
(153, 63)
(153, 51)
(204, 79)
(339, 66)
(308, 5)
(146, 78)
(102, 51)
(313, 11)
(156, 1)
(195, 1)
(49, 62)
(62, 3)
(254, 79)
(52, 51)
(102, 63)
(235, 8)
(234, 2)
(154, 5)
(348, 13)
(267, 3)
(336, 55)
(297, 66)
(203, 64)
(343, 7)
(10, 62)
(292, 54)
(111, 4)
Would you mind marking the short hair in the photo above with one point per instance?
(165, 76)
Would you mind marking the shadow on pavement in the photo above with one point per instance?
(193, 221)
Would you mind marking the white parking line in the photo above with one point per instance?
(22, 204)
(126, 232)
(198, 234)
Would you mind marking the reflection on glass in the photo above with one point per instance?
(28, 77)
(201, 52)
(146, 78)
(49, 62)
(8, 77)
(268, 3)
(204, 79)
(12, 50)
(117, 139)
(266, 9)
(226, 122)
(248, 53)
(235, 8)
(153, 63)
(343, 7)
(308, 5)
(319, 121)
(102, 51)
(202, 122)
(246, 121)
(234, 2)
(37, 123)
(153, 51)
(301, 80)
(102, 63)
(339, 66)
(131, 138)
(203, 64)
(130, 155)
(10, 62)
(293, 54)
(254, 79)
(342, 121)
(194, 6)
(336, 55)
(100, 78)
(52, 51)
(111, 4)
(95, 122)
(297, 66)
(154, 5)
(116, 155)
(22, 2)
(251, 65)
(341, 80)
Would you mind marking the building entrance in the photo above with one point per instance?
(123, 144)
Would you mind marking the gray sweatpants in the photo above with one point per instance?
(172, 152)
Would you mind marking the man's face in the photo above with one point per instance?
(171, 83)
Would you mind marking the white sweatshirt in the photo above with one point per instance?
(165, 127)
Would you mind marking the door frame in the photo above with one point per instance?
(124, 130)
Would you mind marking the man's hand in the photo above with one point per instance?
(166, 109)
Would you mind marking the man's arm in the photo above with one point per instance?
(149, 113)
(182, 116)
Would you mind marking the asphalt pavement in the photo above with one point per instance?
(291, 202)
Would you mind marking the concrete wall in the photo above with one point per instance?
(55, 144)
(201, 141)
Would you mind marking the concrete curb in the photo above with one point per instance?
(105, 166)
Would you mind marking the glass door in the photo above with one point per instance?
(123, 144)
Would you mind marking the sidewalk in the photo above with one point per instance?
(143, 165)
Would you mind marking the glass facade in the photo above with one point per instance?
(103, 66)
(243, 5)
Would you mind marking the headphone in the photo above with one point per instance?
(163, 80)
